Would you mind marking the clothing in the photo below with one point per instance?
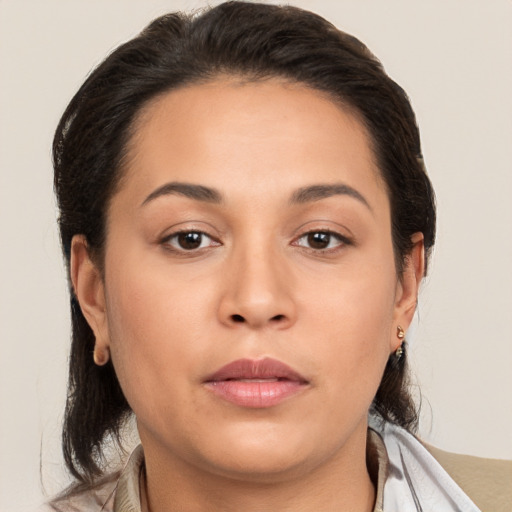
(487, 481)
(409, 478)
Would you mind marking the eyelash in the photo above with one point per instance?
(167, 241)
(342, 240)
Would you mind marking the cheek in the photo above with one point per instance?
(350, 321)
(149, 299)
(156, 326)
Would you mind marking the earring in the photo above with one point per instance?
(400, 334)
(100, 356)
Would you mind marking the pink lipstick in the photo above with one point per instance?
(256, 383)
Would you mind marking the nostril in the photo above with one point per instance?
(238, 318)
(277, 318)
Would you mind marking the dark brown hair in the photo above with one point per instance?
(255, 42)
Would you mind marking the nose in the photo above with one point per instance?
(258, 291)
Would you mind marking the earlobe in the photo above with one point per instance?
(89, 290)
(408, 287)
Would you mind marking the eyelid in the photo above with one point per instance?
(324, 225)
(344, 240)
(343, 235)
(189, 226)
(165, 241)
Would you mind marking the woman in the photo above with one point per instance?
(246, 219)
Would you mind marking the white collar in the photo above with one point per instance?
(416, 482)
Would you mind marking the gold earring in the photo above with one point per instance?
(100, 356)
(400, 334)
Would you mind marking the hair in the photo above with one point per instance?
(255, 42)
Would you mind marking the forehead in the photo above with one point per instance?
(261, 133)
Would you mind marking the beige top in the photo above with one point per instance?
(488, 482)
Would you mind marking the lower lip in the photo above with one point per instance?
(256, 394)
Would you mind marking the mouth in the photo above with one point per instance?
(256, 383)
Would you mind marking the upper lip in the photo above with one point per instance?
(266, 368)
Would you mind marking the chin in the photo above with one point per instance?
(264, 467)
(261, 455)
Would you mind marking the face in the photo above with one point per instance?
(250, 298)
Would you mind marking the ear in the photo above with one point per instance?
(90, 291)
(407, 289)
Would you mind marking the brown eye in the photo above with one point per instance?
(189, 241)
(321, 240)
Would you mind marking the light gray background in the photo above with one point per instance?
(454, 59)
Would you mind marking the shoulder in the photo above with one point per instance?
(488, 482)
(100, 497)
(438, 480)
(117, 491)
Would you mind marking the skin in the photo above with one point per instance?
(255, 288)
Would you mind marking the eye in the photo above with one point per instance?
(321, 240)
(189, 241)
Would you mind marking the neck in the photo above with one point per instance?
(341, 483)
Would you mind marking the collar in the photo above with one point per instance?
(406, 476)
(128, 493)
(416, 482)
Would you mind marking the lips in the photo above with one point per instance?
(256, 383)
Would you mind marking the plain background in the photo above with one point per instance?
(453, 57)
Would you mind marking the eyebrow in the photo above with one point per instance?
(197, 192)
(300, 196)
(324, 191)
